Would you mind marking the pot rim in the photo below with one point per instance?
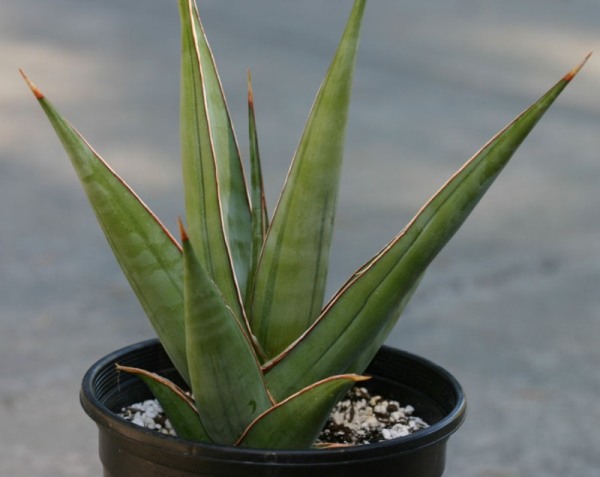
(431, 435)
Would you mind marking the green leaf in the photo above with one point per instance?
(217, 204)
(369, 301)
(292, 271)
(227, 382)
(372, 345)
(149, 256)
(281, 428)
(177, 405)
(260, 220)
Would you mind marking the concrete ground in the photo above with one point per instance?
(511, 307)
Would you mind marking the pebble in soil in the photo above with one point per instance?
(359, 418)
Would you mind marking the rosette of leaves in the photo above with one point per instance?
(238, 302)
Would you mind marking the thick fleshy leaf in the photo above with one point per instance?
(227, 382)
(371, 298)
(372, 345)
(281, 428)
(292, 271)
(149, 256)
(260, 220)
(177, 405)
(216, 198)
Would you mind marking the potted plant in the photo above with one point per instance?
(237, 303)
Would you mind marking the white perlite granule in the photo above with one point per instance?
(358, 419)
(148, 414)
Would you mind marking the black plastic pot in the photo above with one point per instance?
(127, 450)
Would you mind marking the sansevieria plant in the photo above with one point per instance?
(238, 302)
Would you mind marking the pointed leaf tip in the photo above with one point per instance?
(250, 92)
(571, 74)
(36, 92)
(182, 233)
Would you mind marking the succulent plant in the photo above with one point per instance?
(238, 303)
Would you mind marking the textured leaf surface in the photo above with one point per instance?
(282, 428)
(217, 207)
(149, 256)
(370, 299)
(372, 345)
(178, 406)
(226, 378)
(292, 271)
(260, 220)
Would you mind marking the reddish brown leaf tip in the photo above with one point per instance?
(36, 92)
(571, 74)
(358, 377)
(250, 92)
(182, 232)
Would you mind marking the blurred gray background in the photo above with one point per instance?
(511, 307)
